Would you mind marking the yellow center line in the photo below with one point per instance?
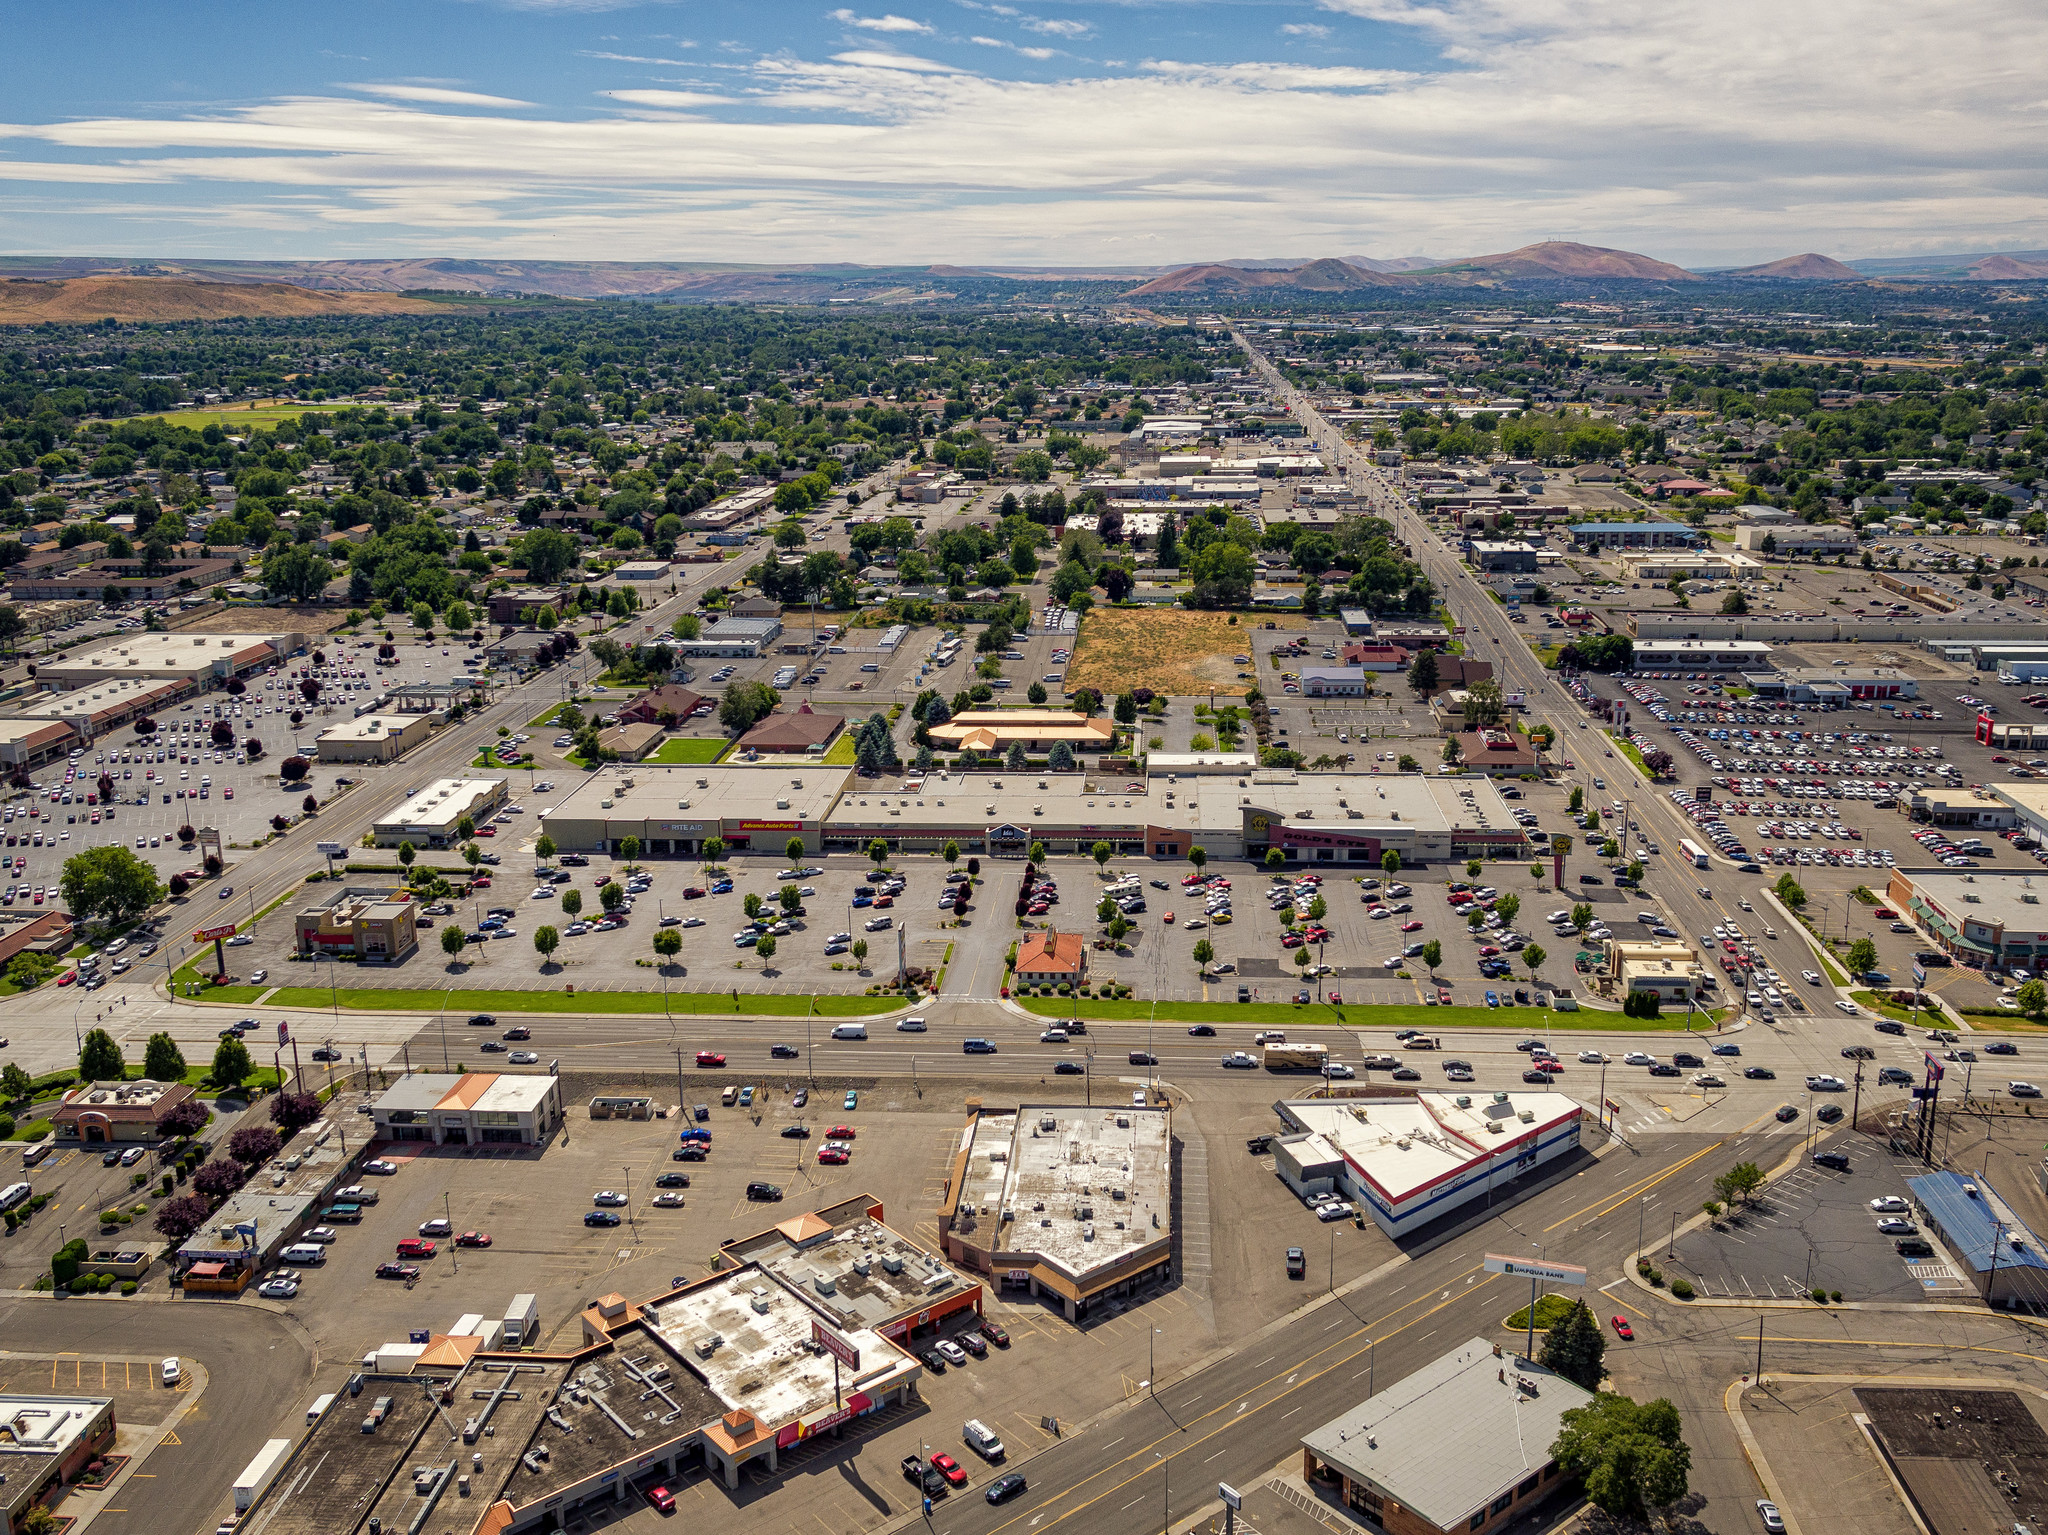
(1615, 1201)
(1237, 1418)
(1967, 1348)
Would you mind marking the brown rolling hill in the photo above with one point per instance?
(1810, 267)
(1326, 276)
(81, 300)
(2007, 269)
(1564, 259)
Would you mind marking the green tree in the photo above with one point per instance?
(1204, 952)
(407, 853)
(1102, 852)
(1390, 861)
(1582, 915)
(231, 1064)
(1422, 674)
(474, 855)
(793, 850)
(545, 941)
(950, 852)
(1629, 1455)
(572, 902)
(1452, 751)
(668, 943)
(611, 895)
(1533, 957)
(1790, 891)
(745, 705)
(1744, 1181)
(714, 849)
(860, 951)
(1735, 603)
(1509, 907)
(297, 573)
(1275, 859)
(1432, 955)
(1862, 956)
(764, 948)
(100, 1059)
(162, 1060)
(1036, 854)
(452, 941)
(2032, 998)
(1578, 800)
(789, 898)
(110, 884)
(545, 848)
(878, 852)
(1575, 1347)
(753, 905)
(629, 850)
(1199, 857)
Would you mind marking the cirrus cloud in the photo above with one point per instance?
(888, 23)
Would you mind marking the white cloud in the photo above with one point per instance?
(1865, 128)
(1059, 28)
(637, 58)
(1006, 44)
(439, 96)
(679, 100)
(868, 59)
(1305, 29)
(889, 23)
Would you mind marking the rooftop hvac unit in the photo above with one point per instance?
(1493, 1127)
(892, 1262)
(1527, 1116)
(1463, 1100)
(826, 1284)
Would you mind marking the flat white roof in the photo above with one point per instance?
(1746, 647)
(1404, 1145)
(763, 1359)
(509, 1094)
(371, 727)
(443, 802)
(1086, 1187)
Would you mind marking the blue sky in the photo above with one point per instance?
(1052, 131)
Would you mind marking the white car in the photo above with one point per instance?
(1811, 977)
(1638, 1058)
(2023, 1090)
(605, 1198)
(173, 1372)
(523, 1058)
(1592, 1058)
(1889, 1204)
(950, 1351)
(279, 1287)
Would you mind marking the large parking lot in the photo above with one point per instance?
(1814, 1228)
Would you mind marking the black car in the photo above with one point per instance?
(1914, 1247)
(796, 1132)
(672, 1181)
(1664, 1069)
(1996, 1047)
(690, 1153)
(1686, 1058)
(1858, 1053)
(1407, 1074)
(1203, 1031)
(934, 1361)
(1591, 879)
(1003, 1488)
(1530, 1046)
(764, 1191)
(326, 1053)
(1543, 1078)
(1834, 1159)
(1069, 1069)
(1895, 1076)
(1893, 1026)
(782, 1052)
(484, 1020)
(1760, 1073)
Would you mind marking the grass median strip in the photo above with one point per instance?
(1347, 1015)
(440, 1000)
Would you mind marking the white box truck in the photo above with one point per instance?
(522, 1322)
(260, 1473)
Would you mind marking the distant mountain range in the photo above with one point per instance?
(177, 289)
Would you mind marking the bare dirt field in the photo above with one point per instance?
(1167, 650)
(27, 302)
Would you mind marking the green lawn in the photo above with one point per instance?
(1881, 1003)
(1401, 1015)
(1628, 750)
(840, 753)
(439, 999)
(690, 749)
(1550, 1310)
(242, 417)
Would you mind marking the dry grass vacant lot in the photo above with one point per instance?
(1169, 650)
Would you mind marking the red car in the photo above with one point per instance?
(834, 1156)
(661, 1500)
(1886, 913)
(415, 1247)
(840, 1133)
(481, 884)
(996, 1333)
(474, 1239)
(884, 900)
(67, 977)
(397, 1271)
(1443, 998)
(1291, 940)
(1622, 1329)
(710, 1058)
(1168, 919)
(1411, 927)
(487, 831)
(691, 893)
(949, 1468)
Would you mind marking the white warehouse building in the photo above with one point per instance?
(1412, 1160)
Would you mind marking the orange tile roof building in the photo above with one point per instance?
(1052, 957)
(994, 730)
(473, 1108)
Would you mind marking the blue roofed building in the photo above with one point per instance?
(1994, 1250)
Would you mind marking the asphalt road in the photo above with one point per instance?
(257, 1369)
